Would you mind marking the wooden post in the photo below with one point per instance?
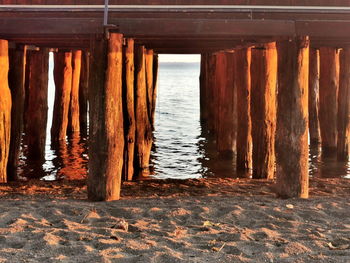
(144, 138)
(106, 143)
(211, 79)
(37, 105)
(244, 126)
(329, 83)
(263, 110)
(16, 83)
(225, 105)
(149, 81)
(203, 96)
(314, 83)
(129, 112)
(5, 110)
(63, 83)
(343, 143)
(83, 92)
(74, 110)
(155, 88)
(292, 118)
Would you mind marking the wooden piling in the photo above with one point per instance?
(329, 84)
(211, 95)
(129, 109)
(63, 86)
(225, 104)
(292, 118)
(83, 92)
(106, 140)
(37, 105)
(314, 83)
(244, 126)
(343, 141)
(263, 109)
(74, 111)
(5, 110)
(155, 88)
(144, 138)
(149, 81)
(203, 97)
(16, 82)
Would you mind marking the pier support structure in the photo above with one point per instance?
(129, 109)
(37, 105)
(314, 84)
(292, 118)
(17, 57)
(225, 103)
(83, 92)
(74, 107)
(63, 84)
(144, 137)
(329, 84)
(343, 141)
(5, 110)
(263, 109)
(244, 125)
(106, 141)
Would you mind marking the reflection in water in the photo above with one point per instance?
(181, 150)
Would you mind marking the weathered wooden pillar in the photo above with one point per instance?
(155, 87)
(263, 109)
(314, 83)
(244, 126)
(37, 105)
(343, 141)
(16, 83)
(5, 110)
(129, 110)
(106, 139)
(144, 138)
(63, 83)
(211, 94)
(329, 83)
(292, 118)
(74, 110)
(225, 104)
(149, 81)
(83, 92)
(203, 96)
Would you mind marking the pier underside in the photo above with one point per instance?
(260, 62)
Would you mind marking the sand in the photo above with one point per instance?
(211, 220)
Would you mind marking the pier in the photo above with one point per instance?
(273, 78)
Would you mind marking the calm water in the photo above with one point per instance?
(180, 150)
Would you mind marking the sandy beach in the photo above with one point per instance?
(198, 220)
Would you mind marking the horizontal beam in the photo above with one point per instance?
(176, 8)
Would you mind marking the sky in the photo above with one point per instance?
(179, 58)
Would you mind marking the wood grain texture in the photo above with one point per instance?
(329, 85)
(244, 126)
(5, 110)
(106, 143)
(144, 137)
(263, 110)
(74, 109)
(129, 109)
(63, 87)
(314, 87)
(16, 83)
(343, 141)
(37, 105)
(292, 119)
